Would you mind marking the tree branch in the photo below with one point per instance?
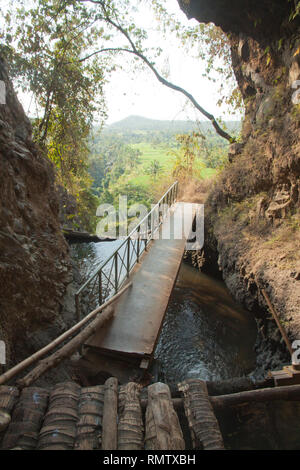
(159, 77)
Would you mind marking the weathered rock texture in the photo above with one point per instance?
(34, 260)
(254, 207)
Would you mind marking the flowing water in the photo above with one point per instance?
(205, 333)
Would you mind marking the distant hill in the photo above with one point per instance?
(142, 124)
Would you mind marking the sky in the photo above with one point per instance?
(137, 92)
(131, 93)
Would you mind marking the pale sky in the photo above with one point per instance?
(141, 94)
(137, 92)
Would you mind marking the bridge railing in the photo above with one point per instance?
(111, 275)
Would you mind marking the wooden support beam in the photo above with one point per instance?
(163, 431)
(110, 415)
(285, 393)
(204, 427)
(275, 317)
(37, 355)
(67, 350)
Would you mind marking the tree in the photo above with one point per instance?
(64, 51)
(42, 45)
(187, 155)
(94, 22)
(154, 169)
(209, 43)
(134, 37)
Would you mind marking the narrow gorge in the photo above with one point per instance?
(194, 350)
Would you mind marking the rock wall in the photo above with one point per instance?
(34, 259)
(253, 211)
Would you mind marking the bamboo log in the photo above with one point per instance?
(8, 398)
(26, 419)
(5, 419)
(284, 393)
(163, 431)
(89, 427)
(203, 424)
(65, 351)
(130, 426)
(59, 426)
(110, 415)
(37, 355)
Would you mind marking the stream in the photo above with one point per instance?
(205, 334)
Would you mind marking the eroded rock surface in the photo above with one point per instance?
(34, 259)
(253, 212)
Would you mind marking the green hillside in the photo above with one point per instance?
(140, 123)
(140, 156)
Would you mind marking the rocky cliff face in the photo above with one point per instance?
(254, 207)
(34, 260)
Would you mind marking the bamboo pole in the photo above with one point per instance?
(284, 393)
(110, 415)
(276, 318)
(66, 350)
(37, 355)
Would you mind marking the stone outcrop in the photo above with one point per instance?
(34, 258)
(254, 208)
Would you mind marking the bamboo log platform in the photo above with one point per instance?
(120, 417)
(102, 417)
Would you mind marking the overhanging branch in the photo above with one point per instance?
(135, 51)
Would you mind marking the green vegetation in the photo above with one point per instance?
(62, 53)
(140, 158)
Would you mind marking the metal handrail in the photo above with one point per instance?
(131, 242)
